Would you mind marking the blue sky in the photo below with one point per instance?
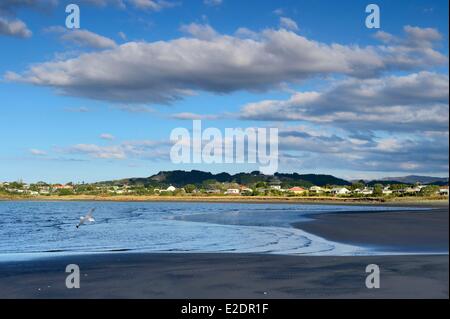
(100, 102)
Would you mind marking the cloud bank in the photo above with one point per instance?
(165, 71)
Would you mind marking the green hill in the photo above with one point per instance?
(180, 178)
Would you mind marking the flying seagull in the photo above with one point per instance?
(87, 218)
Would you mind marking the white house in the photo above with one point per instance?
(367, 191)
(443, 191)
(246, 190)
(316, 189)
(387, 191)
(411, 190)
(232, 191)
(171, 189)
(340, 191)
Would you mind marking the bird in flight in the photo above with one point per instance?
(88, 218)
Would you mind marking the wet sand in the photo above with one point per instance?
(415, 231)
(226, 276)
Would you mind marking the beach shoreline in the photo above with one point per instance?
(242, 199)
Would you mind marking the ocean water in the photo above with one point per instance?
(35, 229)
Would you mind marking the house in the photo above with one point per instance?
(364, 191)
(246, 190)
(232, 191)
(297, 190)
(44, 190)
(443, 191)
(411, 190)
(171, 189)
(367, 191)
(59, 186)
(316, 189)
(340, 191)
(275, 183)
(387, 191)
(213, 191)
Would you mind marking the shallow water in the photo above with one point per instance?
(29, 229)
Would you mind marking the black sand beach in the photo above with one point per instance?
(389, 231)
(226, 276)
(132, 275)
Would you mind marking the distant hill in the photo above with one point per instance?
(412, 179)
(180, 178)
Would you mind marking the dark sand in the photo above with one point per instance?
(226, 276)
(415, 231)
(132, 275)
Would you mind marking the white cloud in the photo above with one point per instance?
(278, 11)
(106, 136)
(122, 35)
(402, 153)
(247, 33)
(83, 38)
(414, 102)
(199, 31)
(103, 152)
(10, 25)
(37, 152)
(144, 149)
(384, 36)
(415, 37)
(15, 28)
(422, 36)
(288, 23)
(88, 39)
(164, 71)
(11, 6)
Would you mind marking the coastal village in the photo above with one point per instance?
(274, 188)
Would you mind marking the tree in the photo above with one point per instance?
(209, 184)
(189, 188)
(429, 190)
(357, 185)
(378, 190)
(261, 185)
(16, 185)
